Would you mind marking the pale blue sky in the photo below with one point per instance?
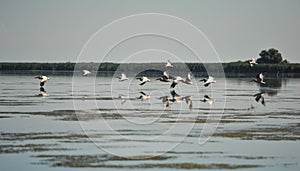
(56, 30)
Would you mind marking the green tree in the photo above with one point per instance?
(271, 56)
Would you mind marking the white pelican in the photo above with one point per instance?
(165, 100)
(165, 78)
(177, 80)
(260, 78)
(177, 98)
(43, 92)
(251, 108)
(169, 64)
(123, 98)
(43, 79)
(86, 72)
(144, 96)
(259, 97)
(208, 100)
(143, 80)
(252, 62)
(208, 81)
(123, 77)
(188, 79)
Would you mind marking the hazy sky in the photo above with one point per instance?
(56, 30)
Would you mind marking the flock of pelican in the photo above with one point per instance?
(174, 80)
(259, 97)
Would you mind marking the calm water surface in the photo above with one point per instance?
(84, 125)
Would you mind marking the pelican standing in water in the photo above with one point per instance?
(43, 79)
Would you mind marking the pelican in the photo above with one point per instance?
(86, 72)
(123, 98)
(259, 97)
(177, 98)
(251, 108)
(176, 81)
(43, 92)
(123, 77)
(43, 79)
(169, 64)
(165, 78)
(188, 79)
(165, 100)
(143, 96)
(260, 78)
(143, 80)
(208, 100)
(252, 62)
(188, 100)
(208, 81)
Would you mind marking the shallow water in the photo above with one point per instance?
(83, 124)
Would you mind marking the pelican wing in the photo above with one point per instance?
(174, 94)
(189, 76)
(211, 79)
(143, 93)
(123, 76)
(166, 74)
(174, 83)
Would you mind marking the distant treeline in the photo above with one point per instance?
(232, 68)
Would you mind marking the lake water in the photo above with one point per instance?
(83, 124)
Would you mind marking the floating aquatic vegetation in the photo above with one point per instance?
(289, 132)
(21, 148)
(98, 161)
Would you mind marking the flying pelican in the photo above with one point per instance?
(251, 108)
(208, 81)
(43, 92)
(177, 98)
(260, 78)
(143, 96)
(208, 100)
(252, 62)
(43, 79)
(169, 64)
(123, 77)
(188, 79)
(188, 100)
(165, 100)
(176, 81)
(165, 78)
(123, 98)
(86, 72)
(259, 97)
(143, 80)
